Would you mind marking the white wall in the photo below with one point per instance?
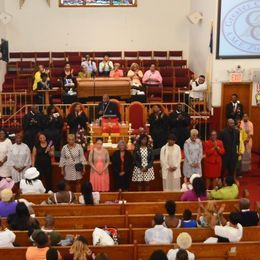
(153, 25)
(199, 50)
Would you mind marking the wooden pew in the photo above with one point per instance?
(23, 240)
(116, 209)
(158, 207)
(151, 196)
(78, 210)
(197, 234)
(245, 251)
(129, 235)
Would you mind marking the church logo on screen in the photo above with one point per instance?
(241, 26)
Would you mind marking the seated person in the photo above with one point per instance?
(88, 197)
(136, 75)
(53, 254)
(7, 237)
(116, 72)
(205, 214)
(107, 108)
(90, 66)
(62, 195)
(171, 221)
(21, 219)
(84, 73)
(158, 234)
(69, 84)
(158, 255)
(247, 217)
(7, 204)
(40, 249)
(230, 231)
(152, 77)
(43, 84)
(228, 192)
(31, 182)
(105, 66)
(77, 118)
(198, 192)
(184, 242)
(49, 224)
(37, 75)
(198, 87)
(187, 221)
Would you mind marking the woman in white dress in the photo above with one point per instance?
(72, 154)
(5, 146)
(19, 158)
(170, 157)
(193, 152)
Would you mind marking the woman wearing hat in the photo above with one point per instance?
(5, 146)
(7, 205)
(31, 183)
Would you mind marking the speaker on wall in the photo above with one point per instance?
(195, 17)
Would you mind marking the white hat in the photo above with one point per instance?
(194, 176)
(31, 173)
(184, 240)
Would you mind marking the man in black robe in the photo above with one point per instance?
(33, 122)
(230, 138)
(108, 108)
(234, 109)
(179, 122)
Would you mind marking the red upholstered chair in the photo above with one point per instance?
(136, 115)
(28, 56)
(131, 54)
(154, 94)
(74, 60)
(160, 55)
(58, 63)
(179, 63)
(164, 63)
(57, 56)
(119, 107)
(148, 55)
(175, 54)
(146, 64)
(168, 87)
(25, 68)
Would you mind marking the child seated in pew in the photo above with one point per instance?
(187, 221)
(49, 224)
(7, 237)
(184, 242)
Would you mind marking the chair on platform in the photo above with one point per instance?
(160, 55)
(119, 107)
(136, 115)
(154, 93)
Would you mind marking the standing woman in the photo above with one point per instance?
(41, 159)
(193, 155)
(72, 162)
(122, 162)
(5, 146)
(170, 157)
(248, 126)
(54, 127)
(19, 158)
(99, 161)
(143, 163)
(213, 149)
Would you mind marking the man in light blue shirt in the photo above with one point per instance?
(158, 234)
(90, 65)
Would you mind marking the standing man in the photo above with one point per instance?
(33, 122)
(179, 122)
(107, 108)
(230, 138)
(105, 66)
(198, 87)
(234, 109)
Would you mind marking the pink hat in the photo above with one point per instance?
(6, 183)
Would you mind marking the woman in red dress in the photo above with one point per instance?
(213, 149)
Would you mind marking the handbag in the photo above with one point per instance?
(78, 166)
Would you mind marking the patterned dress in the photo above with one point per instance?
(66, 160)
(138, 175)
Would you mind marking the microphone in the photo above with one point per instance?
(49, 146)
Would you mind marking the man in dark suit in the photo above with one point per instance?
(107, 108)
(230, 138)
(234, 109)
(179, 122)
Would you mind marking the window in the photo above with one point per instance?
(98, 3)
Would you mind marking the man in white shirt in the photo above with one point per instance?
(230, 231)
(198, 87)
(105, 66)
(158, 234)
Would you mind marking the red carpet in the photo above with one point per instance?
(251, 181)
